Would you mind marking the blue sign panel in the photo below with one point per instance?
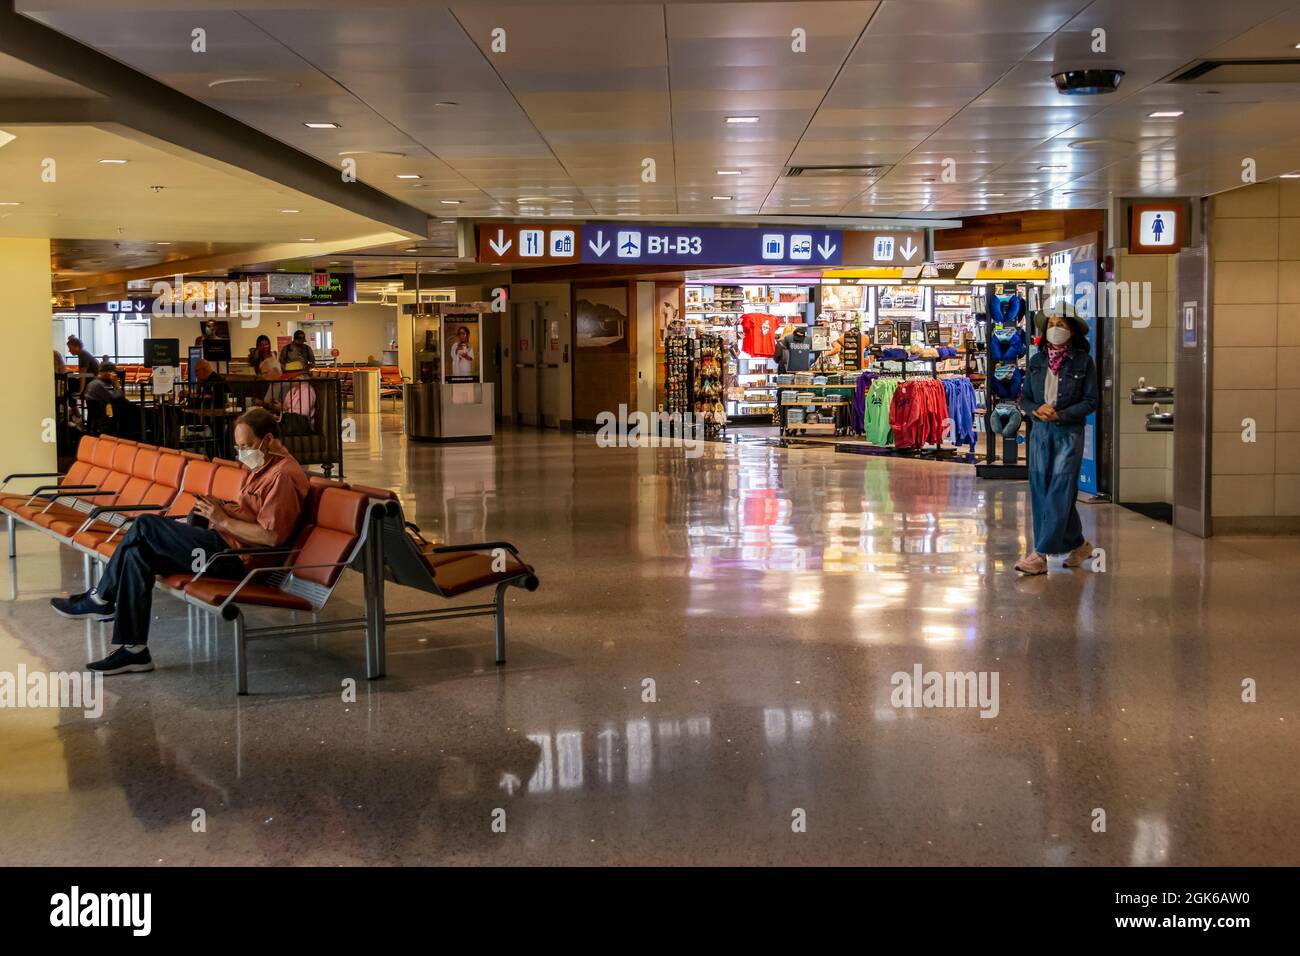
(635, 244)
(1083, 276)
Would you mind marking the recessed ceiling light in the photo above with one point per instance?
(721, 197)
(742, 119)
(448, 222)
(993, 195)
(1165, 114)
(290, 210)
(162, 243)
(409, 176)
(10, 204)
(1283, 176)
(412, 249)
(728, 172)
(321, 125)
(113, 162)
(306, 240)
(450, 202)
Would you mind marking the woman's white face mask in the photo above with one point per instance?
(1057, 335)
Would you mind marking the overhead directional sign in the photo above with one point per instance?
(632, 244)
(904, 247)
(635, 243)
(529, 242)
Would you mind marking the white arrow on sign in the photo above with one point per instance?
(908, 250)
(500, 244)
(603, 246)
(827, 248)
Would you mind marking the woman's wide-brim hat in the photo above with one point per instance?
(1078, 327)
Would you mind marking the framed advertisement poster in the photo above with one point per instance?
(461, 359)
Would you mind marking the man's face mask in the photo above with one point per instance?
(252, 458)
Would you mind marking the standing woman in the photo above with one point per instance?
(1060, 393)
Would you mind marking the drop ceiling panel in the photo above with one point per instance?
(585, 91)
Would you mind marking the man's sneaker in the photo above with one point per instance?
(1079, 555)
(83, 607)
(122, 661)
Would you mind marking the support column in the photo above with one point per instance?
(27, 385)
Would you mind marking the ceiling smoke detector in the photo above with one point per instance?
(1087, 82)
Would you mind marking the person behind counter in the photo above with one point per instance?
(259, 353)
(298, 356)
(211, 391)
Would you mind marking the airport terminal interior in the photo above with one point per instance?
(650, 434)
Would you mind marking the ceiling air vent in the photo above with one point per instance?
(1213, 72)
(823, 172)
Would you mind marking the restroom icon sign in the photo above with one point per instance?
(884, 249)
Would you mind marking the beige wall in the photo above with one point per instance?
(1146, 459)
(27, 385)
(1255, 250)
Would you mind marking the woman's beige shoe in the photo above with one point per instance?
(1033, 563)
(1079, 555)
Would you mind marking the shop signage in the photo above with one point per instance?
(905, 247)
(1155, 228)
(622, 243)
(528, 242)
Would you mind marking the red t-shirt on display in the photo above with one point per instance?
(760, 333)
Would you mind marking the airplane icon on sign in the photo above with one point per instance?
(629, 245)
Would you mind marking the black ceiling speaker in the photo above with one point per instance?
(1087, 82)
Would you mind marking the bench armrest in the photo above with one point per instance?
(238, 551)
(29, 474)
(63, 488)
(485, 546)
(248, 578)
(96, 513)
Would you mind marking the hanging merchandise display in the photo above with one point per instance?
(709, 366)
(677, 374)
(1004, 307)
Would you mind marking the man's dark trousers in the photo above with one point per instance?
(155, 545)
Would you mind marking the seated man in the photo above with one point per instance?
(266, 516)
(101, 394)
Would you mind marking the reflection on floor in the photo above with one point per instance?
(769, 594)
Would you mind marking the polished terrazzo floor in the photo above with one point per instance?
(770, 594)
